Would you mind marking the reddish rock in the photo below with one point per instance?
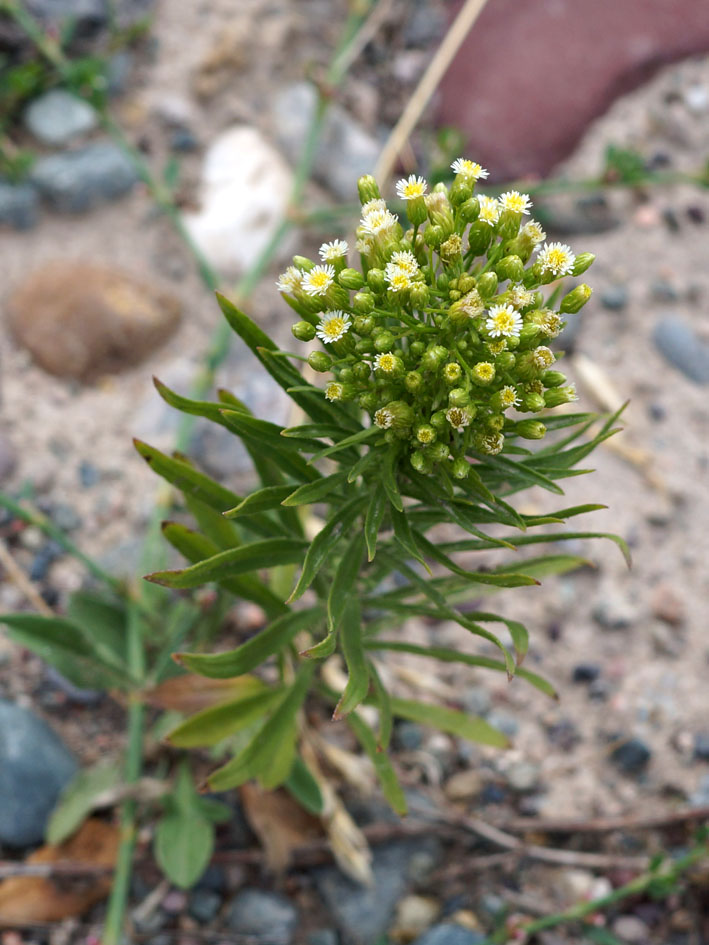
(667, 605)
(531, 76)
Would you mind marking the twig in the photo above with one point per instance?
(21, 581)
(608, 824)
(428, 84)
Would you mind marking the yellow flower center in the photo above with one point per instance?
(386, 363)
(484, 370)
(334, 327)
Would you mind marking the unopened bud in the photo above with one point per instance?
(421, 462)
(413, 382)
(505, 360)
(368, 189)
(439, 452)
(487, 284)
(461, 191)
(302, 262)
(511, 267)
(363, 302)
(419, 295)
(459, 397)
(530, 429)
(364, 325)
(533, 402)
(416, 210)
(452, 372)
(376, 281)
(470, 210)
(350, 279)
(361, 371)
(320, 361)
(303, 331)
(434, 357)
(438, 420)
(557, 396)
(383, 339)
(582, 262)
(479, 237)
(575, 300)
(553, 378)
(433, 236)
(460, 468)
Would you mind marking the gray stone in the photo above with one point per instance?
(700, 797)
(35, 766)
(701, 746)
(585, 672)
(424, 25)
(204, 904)
(8, 458)
(346, 149)
(522, 776)
(323, 937)
(408, 736)
(631, 756)
(57, 117)
(678, 343)
(19, 205)
(447, 933)
(614, 613)
(631, 929)
(504, 722)
(75, 181)
(476, 700)
(363, 914)
(615, 298)
(118, 71)
(269, 917)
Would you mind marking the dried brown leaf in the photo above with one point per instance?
(191, 693)
(279, 822)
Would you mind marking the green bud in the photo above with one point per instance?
(419, 295)
(346, 375)
(439, 452)
(557, 396)
(511, 267)
(351, 279)
(421, 462)
(470, 210)
(368, 189)
(368, 400)
(320, 361)
(443, 282)
(459, 397)
(487, 284)
(364, 325)
(533, 277)
(434, 357)
(460, 468)
(530, 429)
(417, 348)
(452, 372)
(363, 302)
(364, 346)
(396, 416)
(505, 361)
(425, 434)
(461, 191)
(303, 331)
(376, 281)
(495, 423)
(575, 300)
(508, 224)
(528, 335)
(416, 211)
(337, 297)
(361, 371)
(582, 262)
(533, 402)
(413, 382)
(302, 262)
(433, 236)
(466, 283)
(479, 237)
(383, 339)
(553, 378)
(439, 421)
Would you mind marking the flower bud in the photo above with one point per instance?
(582, 262)
(460, 468)
(320, 361)
(416, 211)
(532, 277)
(363, 302)
(346, 375)
(433, 236)
(396, 416)
(487, 284)
(419, 295)
(434, 357)
(364, 346)
(461, 191)
(421, 462)
(557, 396)
(466, 283)
(439, 452)
(533, 402)
(458, 397)
(383, 340)
(452, 372)
(376, 281)
(364, 325)
(417, 348)
(470, 210)
(303, 331)
(530, 429)
(361, 371)
(508, 224)
(438, 420)
(510, 267)
(505, 361)
(483, 373)
(553, 378)
(350, 279)
(575, 300)
(528, 335)
(413, 382)
(337, 297)
(368, 189)
(443, 282)
(425, 434)
(302, 262)
(495, 423)
(368, 400)
(479, 237)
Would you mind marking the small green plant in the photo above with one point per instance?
(439, 381)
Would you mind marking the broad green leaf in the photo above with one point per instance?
(252, 557)
(304, 788)
(357, 667)
(184, 843)
(378, 505)
(271, 753)
(263, 500)
(325, 542)
(196, 547)
(252, 653)
(315, 491)
(77, 799)
(344, 579)
(382, 763)
(450, 720)
(214, 811)
(456, 656)
(210, 726)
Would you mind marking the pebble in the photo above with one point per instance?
(424, 25)
(615, 298)
(615, 613)
(631, 756)
(450, 934)
(268, 916)
(493, 794)
(8, 458)
(57, 117)
(19, 205)
(79, 319)
(664, 292)
(346, 149)
(183, 141)
(44, 559)
(678, 343)
(629, 928)
(204, 905)
(701, 746)
(414, 914)
(700, 797)
(408, 736)
(564, 734)
(118, 71)
(477, 701)
(89, 475)
(599, 690)
(364, 913)
(463, 785)
(65, 517)
(668, 606)
(504, 722)
(244, 191)
(74, 181)
(35, 766)
(323, 937)
(523, 776)
(585, 672)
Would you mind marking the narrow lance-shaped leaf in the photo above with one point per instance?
(315, 491)
(344, 579)
(382, 763)
(210, 726)
(357, 667)
(378, 504)
(450, 720)
(386, 719)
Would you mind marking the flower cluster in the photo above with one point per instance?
(441, 336)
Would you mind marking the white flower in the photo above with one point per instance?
(405, 261)
(556, 258)
(399, 281)
(521, 297)
(386, 362)
(543, 357)
(379, 221)
(503, 321)
(489, 210)
(458, 417)
(318, 280)
(490, 443)
(508, 397)
(290, 279)
(411, 187)
(333, 326)
(384, 418)
(370, 205)
(534, 232)
(515, 201)
(469, 169)
(329, 252)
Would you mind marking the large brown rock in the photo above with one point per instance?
(80, 320)
(531, 75)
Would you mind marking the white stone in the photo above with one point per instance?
(245, 189)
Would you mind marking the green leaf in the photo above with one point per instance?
(405, 537)
(315, 491)
(271, 753)
(516, 471)
(252, 557)
(184, 476)
(196, 547)
(322, 650)
(500, 579)
(364, 462)
(324, 544)
(184, 843)
(360, 437)
(344, 579)
(211, 725)
(309, 431)
(212, 523)
(378, 505)
(101, 620)
(196, 408)
(455, 656)
(451, 721)
(263, 500)
(357, 667)
(382, 763)
(304, 788)
(389, 480)
(386, 718)
(252, 653)
(77, 799)
(282, 452)
(545, 538)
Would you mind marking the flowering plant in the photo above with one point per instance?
(439, 372)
